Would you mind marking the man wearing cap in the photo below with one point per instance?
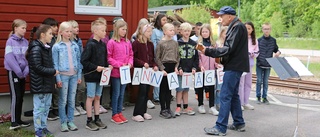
(235, 59)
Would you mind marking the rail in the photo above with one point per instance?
(292, 83)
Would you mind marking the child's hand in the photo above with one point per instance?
(129, 65)
(193, 71)
(176, 70)
(99, 68)
(155, 68)
(202, 69)
(59, 84)
(57, 72)
(79, 81)
(277, 54)
(164, 73)
(110, 67)
(180, 72)
(146, 65)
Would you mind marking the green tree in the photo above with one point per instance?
(154, 3)
(181, 2)
(195, 14)
(277, 24)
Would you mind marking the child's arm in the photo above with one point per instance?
(137, 62)
(154, 38)
(55, 58)
(130, 61)
(111, 60)
(153, 63)
(276, 49)
(79, 63)
(85, 58)
(35, 61)
(11, 60)
(256, 50)
(178, 57)
(158, 57)
(195, 65)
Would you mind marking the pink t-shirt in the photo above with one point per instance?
(71, 67)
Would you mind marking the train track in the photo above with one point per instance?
(292, 83)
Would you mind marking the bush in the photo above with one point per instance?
(196, 13)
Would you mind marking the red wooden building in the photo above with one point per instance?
(35, 11)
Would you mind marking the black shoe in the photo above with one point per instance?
(258, 100)
(214, 131)
(165, 114)
(55, 112)
(14, 126)
(173, 115)
(156, 102)
(52, 117)
(240, 128)
(265, 101)
(23, 124)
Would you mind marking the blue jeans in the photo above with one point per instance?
(67, 94)
(229, 101)
(117, 95)
(156, 91)
(262, 77)
(93, 89)
(41, 106)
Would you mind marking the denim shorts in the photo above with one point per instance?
(179, 89)
(93, 89)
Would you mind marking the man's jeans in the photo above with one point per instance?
(262, 78)
(67, 94)
(41, 105)
(229, 101)
(117, 95)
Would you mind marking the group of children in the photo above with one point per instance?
(57, 60)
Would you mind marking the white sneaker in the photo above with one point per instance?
(201, 109)
(76, 112)
(102, 110)
(248, 106)
(81, 110)
(213, 111)
(242, 108)
(150, 105)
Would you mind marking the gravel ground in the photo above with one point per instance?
(292, 92)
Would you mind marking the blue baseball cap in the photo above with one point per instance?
(227, 10)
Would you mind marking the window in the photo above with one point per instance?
(98, 7)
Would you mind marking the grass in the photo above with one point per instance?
(299, 43)
(5, 132)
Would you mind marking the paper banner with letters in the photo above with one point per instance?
(187, 80)
(136, 76)
(209, 79)
(146, 75)
(156, 78)
(105, 77)
(125, 75)
(173, 80)
(220, 74)
(198, 80)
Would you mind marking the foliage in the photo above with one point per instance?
(180, 2)
(298, 18)
(5, 132)
(278, 27)
(154, 3)
(196, 14)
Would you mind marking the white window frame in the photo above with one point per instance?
(98, 10)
